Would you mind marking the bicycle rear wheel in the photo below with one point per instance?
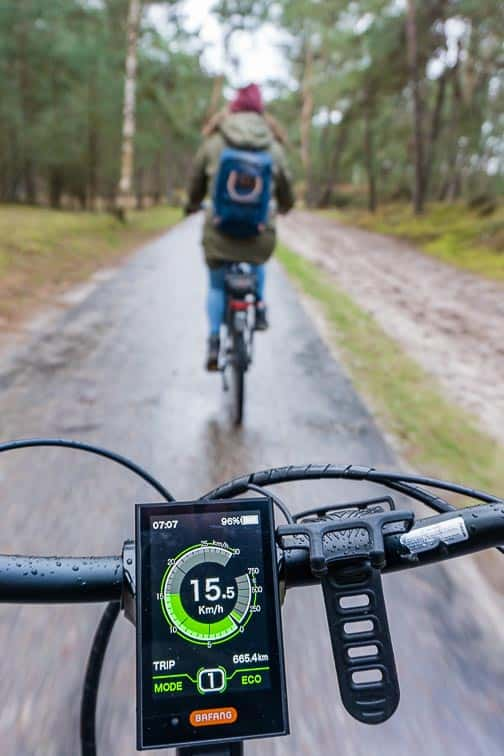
(238, 370)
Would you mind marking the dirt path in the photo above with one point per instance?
(450, 321)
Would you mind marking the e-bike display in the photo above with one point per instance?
(210, 662)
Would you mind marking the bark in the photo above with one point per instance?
(414, 72)
(129, 108)
(307, 115)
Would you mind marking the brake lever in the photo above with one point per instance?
(356, 611)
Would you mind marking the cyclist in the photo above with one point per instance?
(243, 166)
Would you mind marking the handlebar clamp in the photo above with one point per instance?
(315, 532)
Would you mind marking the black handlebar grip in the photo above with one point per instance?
(60, 580)
(361, 642)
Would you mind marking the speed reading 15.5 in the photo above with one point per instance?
(202, 597)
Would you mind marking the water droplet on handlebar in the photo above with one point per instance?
(34, 572)
(75, 568)
(58, 564)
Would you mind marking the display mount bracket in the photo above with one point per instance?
(355, 607)
(128, 597)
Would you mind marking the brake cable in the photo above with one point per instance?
(90, 449)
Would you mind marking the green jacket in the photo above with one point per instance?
(247, 131)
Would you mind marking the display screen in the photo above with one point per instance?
(209, 649)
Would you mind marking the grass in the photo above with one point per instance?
(453, 233)
(43, 251)
(435, 436)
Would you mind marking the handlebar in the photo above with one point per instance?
(52, 580)
(60, 580)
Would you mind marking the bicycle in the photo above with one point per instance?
(238, 338)
(345, 547)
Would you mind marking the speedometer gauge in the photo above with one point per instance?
(204, 598)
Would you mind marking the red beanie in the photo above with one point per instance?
(248, 99)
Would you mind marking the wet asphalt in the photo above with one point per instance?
(123, 368)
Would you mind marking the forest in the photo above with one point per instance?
(385, 99)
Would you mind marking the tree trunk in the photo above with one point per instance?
(369, 154)
(158, 179)
(93, 148)
(27, 111)
(11, 177)
(412, 37)
(129, 124)
(29, 181)
(434, 133)
(307, 115)
(55, 187)
(140, 189)
(451, 184)
(215, 99)
(334, 163)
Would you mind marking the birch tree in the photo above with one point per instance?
(124, 195)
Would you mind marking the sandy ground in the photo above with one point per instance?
(449, 321)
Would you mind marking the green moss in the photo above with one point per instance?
(453, 233)
(435, 436)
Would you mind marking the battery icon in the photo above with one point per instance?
(252, 519)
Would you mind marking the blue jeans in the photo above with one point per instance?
(216, 302)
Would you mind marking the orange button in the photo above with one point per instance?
(209, 717)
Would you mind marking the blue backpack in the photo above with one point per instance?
(242, 192)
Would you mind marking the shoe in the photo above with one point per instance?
(261, 318)
(212, 363)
